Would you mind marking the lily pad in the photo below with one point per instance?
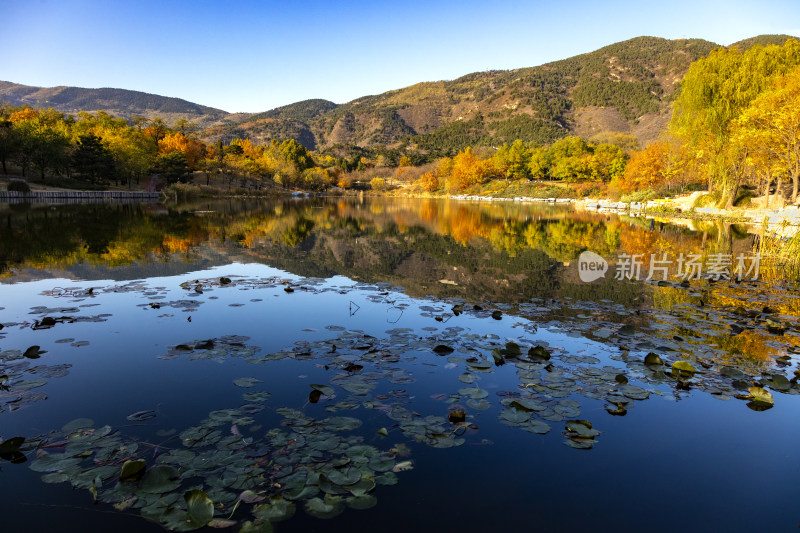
(132, 470)
(160, 479)
(246, 383)
(653, 359)
(761, 396)
(323, 389)
(330, 507)
(539, 353)
(199, 507)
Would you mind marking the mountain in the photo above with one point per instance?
(119, 102)
(626, 87)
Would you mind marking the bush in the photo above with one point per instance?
(639, 196)
(378, 184)
(429, 181)
(743, 198)
(19, 186)
(707, 200)
(590, 189)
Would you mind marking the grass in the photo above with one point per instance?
(780, 247)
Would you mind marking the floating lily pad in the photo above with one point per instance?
(246, 382)
(10, 450)
(761, 396)
(323, 389)
(329, 507)
(362, 502)
(160, 479)
(199, 507)
(132, 470)
(140, 416)
(539, 353)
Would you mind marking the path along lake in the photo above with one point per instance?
(391, 365)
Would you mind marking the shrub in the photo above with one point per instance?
(707, 200)
(589, 189)
(429, 181)
(639, 196)
(378, 184)
(19, 186)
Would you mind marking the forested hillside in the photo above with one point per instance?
(118, 102)
(626, 87)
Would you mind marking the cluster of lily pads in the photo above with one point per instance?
(20, 376)
(212, 474)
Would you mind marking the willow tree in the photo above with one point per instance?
(771, 124)
(715, 91)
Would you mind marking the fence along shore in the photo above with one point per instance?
(78, 197)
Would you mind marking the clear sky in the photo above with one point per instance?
(256, 55)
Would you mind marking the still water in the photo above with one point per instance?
(386, 365)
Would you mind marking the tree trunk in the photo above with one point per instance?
(767, 183)
(734, 190)
(779, 191)
(795, 179)
(767, 191)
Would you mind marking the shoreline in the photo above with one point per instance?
(784, 220)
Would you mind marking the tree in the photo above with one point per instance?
(297, 154)
(646, 169)
(513, 160)
(468, 170)
(172, 167)
(429, 182)
(184, 126)
(10, 142)
(771, 124)
(92, 160)
(378, 184)
(714, 92)
(193, 149)
(47, 147)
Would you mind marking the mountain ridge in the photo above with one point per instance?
(625, 87)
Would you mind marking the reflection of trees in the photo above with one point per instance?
(516, 238)
(298, 232)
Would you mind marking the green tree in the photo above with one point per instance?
(92, 160)
(10, 142)
(297, 154)
(173, 167)
(47, 147)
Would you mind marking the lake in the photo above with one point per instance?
(392, 364)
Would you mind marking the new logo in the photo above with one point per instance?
(591, 266)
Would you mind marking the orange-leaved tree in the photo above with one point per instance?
(647, 169)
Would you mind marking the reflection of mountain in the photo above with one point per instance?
(501, 253)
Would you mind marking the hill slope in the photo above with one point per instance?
(625, 87)
(119, 102)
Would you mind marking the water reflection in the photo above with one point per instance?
(270, 379)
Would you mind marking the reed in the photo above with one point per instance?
(779, 249)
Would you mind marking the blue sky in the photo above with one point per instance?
(254, 56)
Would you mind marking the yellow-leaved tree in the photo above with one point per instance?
(771, 126)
